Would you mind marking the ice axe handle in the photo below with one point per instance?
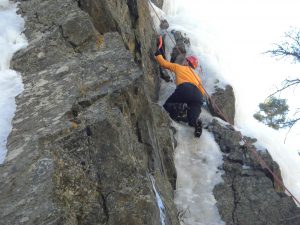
(160, 42)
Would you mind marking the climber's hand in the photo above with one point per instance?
(158, 52)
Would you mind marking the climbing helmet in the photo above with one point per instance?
(193, 61)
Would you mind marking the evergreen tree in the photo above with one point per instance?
(273, 113)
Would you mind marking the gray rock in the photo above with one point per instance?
(249, 195)
(164, 25)
(179, 51)
(86, 135)
(158, 3)
(222, 104)
(133, 21)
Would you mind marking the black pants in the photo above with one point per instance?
(189, 94)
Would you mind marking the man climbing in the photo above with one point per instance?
(188, 95)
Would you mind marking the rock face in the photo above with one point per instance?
(158, 3)
(87, 136)
(222, 104)
(249, 194)
(131, 18)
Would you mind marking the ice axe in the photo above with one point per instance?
(160, 42)
(160, 45)
(163, 74)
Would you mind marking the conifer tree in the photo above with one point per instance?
(273, 113)
(288, 49)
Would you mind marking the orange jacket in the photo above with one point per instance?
(184, 74)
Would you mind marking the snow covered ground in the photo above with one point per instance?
(11, 85)
(196, 163)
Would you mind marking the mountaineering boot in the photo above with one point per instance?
(180, 110)
(198, 128)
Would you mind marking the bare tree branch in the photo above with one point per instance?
(287, 133)
(287, 84)
(290, 126)
(289, 48)
(289, 123)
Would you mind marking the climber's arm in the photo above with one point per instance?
(166, 64)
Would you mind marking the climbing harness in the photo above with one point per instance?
(247, 144)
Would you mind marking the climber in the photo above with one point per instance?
(188, 95)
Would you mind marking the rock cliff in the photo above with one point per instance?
(249, 194)
(89, 144)
(88, 137)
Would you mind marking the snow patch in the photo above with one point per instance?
(11, 40)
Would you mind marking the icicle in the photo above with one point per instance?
(159, 202)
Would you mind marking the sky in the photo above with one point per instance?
(229, 37)
(11, 85)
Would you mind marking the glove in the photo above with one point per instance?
(158, 52)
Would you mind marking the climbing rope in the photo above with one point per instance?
(225, 117)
